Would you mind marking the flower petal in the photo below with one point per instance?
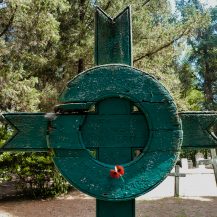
(114, 174)
(120, 170)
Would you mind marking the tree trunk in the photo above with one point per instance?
(208, 80)
(81, 64)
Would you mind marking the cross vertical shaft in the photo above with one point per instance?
(113, 44)
(113, 38)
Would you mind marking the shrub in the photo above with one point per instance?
(36, 174)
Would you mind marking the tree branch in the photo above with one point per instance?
(107, 5)
(146, 2)
(9, 23)
(150, 53)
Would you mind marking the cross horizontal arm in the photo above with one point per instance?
(30, 130)
(197, 129)
(177, 174)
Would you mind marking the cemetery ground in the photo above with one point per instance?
(76, 204)
(197, 189)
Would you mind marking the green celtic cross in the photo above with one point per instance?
(114, 110)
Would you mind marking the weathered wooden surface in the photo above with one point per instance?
(113, 44)
(122, 130)
(65, 132)
(118, 151)
(30, 132)
(113, 79)
(156, 129)
(112, 130)
(115, 209)
(113, 38)
(197, 129)
(92, 176)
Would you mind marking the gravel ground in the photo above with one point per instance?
(76, 204)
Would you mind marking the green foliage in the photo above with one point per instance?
(201, 59)
(195, 99)
(18, 93)
(5, 133)
(197, 72)
(36, 174)
(187, 78)
(204, 56)
(61, 45)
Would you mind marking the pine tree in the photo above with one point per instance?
(203, 54)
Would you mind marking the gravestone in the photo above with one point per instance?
(184, 162)
(199, 156)
(123, 115)
(190, 164)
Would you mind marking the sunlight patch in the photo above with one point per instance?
(198, 198)
(5, 214)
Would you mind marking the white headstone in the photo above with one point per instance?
(184, 163)
(199, 156)
(201, 166)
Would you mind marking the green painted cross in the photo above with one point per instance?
(114, 110)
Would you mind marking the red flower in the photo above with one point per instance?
(120, 170)
(114, 174)
(117, 172)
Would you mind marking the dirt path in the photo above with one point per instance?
(76, 204)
